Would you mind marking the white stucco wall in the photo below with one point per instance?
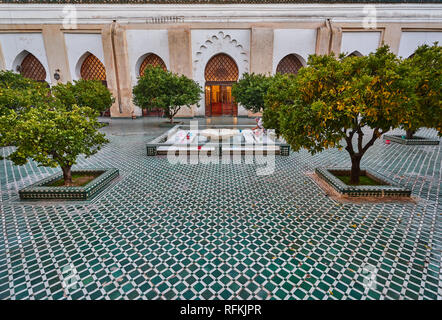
(13, 45)
(142, 42)
(78, 45)
(410, 40)
(207, 43)
(301, 42)
(362, 41)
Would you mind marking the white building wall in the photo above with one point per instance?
(142, 42)
(207, 43)
(410, 40)
(78, 45)
(139, 44)
(362, 41)
(13, 45)
(301, 42)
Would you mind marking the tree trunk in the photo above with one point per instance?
(410, 133)
(171, 120)
(67, 175)
(355, 169)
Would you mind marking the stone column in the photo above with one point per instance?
(261, 50)
(328, 39)
(2, 59)
(56, 53)
(336, 40)
(261, 54)
(392, 37)
(180, 59)
(117, 69)
(322, 40)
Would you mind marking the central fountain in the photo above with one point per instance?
(213, 139)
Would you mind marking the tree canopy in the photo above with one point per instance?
(48, 126)
(84, 93)
(19, 93)
(52, 135)
(422, 74)
(251, 90)
(160, 89)
(332, 100)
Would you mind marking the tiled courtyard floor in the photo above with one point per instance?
(209, 231)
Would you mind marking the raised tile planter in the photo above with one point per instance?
(40, 190)
(390, 188)
(417, 140)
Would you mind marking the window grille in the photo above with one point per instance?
(153, 60)
(32, 68)
(221, 68)
(289, 64)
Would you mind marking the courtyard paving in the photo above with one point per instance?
(219, 231)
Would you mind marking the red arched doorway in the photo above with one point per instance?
(220, 73)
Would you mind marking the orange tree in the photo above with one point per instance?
(279, 93)
(422, 72)
(159, 89)
(250, 91)
(332, 100)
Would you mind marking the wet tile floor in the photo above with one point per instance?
(219, 231)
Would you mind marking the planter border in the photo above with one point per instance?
(391, 189)
(40, 190)
(418, 140)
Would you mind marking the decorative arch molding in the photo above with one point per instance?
(225, 41)
(18, 60)
(355, 53)
(218, 42)
(149, 58)
(29, 66)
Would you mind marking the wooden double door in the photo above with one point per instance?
(219, 100)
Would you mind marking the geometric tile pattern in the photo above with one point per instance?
(219, 231)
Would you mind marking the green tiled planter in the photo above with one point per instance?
(40, 190)
(416, 141)
(390, 189)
